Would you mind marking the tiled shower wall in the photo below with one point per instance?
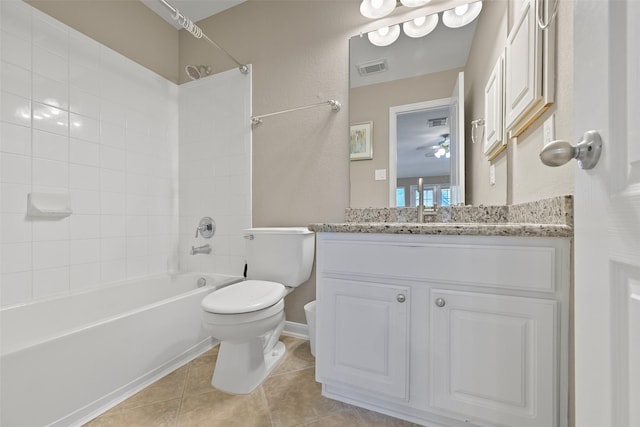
(80, 119)
(215, 169)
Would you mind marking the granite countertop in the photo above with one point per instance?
(545, 218)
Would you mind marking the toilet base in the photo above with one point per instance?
(242, 367)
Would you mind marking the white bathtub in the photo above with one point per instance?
(64, 360)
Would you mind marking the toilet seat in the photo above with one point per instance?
(244, 297)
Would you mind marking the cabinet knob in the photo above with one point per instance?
(401, 298)
(440, 302)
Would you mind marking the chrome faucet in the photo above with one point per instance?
(204, 249)
(421, 212)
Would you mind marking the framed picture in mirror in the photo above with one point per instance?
(361, 141)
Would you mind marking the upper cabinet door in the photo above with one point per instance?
(493, 358)
(529, 67)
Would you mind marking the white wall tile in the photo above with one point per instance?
(84, 51)
(112, 249)
(51, 254)
(138, 225)
(84, 275)
(51, 281)
(84, 153)
(50, 229)
(51, 146)
(16, 288)
(50, 65)
(113, 226)
(112, 203)
(84, 128)
(15, 109)
(112, 135)
(15, 79)
(15, 49)
(15, 169)
(83, 78)
(13, 198)
(112, 158)
(52, 37)
(137, 247)
(84, 103)
(50, 119)
(15, 257)
(84, 177)
(50, 92)
(85, 227)
(15, 18)
(85, 201)
(15, 139)
(113, 271)
(49, 173)
(137, 267)
(113, 181)
(83, 251)
(14, 228)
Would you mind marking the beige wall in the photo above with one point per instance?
(520, 176)
(126, 26)
(372, 102)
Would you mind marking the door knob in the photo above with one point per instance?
(401, 298)
(440, 302)
(586, 152)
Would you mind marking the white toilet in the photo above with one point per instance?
(248, 317)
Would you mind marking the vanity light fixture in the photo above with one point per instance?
(421, 26)
(414, 3)
(384, 36)
(375, 9)
(461, 15)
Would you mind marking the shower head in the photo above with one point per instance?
(196, 72)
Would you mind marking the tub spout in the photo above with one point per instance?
(204, 249)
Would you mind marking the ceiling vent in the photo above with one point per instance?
(372, 67)
(432, 123)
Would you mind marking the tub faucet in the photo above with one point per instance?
(204, 249)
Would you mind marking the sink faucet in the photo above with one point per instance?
(204, 249)
(421, 211)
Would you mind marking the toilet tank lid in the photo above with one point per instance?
(278, 230)
(244, 297)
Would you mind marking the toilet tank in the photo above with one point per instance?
(283, 254)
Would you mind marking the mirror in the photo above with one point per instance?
(412, 92)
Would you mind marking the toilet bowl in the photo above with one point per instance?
(248, 317)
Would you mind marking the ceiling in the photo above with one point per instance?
(196, 10)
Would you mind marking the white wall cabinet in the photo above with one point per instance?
(529, 67)
(445, 330)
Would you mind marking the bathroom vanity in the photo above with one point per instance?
(446, 324)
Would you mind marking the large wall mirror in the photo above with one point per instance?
(410, 92)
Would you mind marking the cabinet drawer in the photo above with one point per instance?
(500, 264)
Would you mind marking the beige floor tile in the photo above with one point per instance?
(346, 418)
(380, 420)
(298, 356)
(294, 398)
(163, 414)
(166, 388)
(218, 409)
(200, 373)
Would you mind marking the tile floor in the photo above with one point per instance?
(289, 397)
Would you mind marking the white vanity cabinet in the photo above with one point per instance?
(445, 330)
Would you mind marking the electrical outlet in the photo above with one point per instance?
(549, 129)
(492, 175)
(381, 174)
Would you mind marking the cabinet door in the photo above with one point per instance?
(523, 73)
(364, 339)
(493, 359)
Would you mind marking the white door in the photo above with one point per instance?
(456, 141)
(607, 215)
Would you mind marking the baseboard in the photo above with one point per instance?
(296, 330)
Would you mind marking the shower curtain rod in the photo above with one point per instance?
(335, 106)
(188, 25)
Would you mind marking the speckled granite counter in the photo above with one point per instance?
(545, 218)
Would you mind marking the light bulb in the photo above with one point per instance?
(461, 10)
(383, 31)
(376, 4)
(420, 21)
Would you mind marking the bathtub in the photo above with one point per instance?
(64, 360)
